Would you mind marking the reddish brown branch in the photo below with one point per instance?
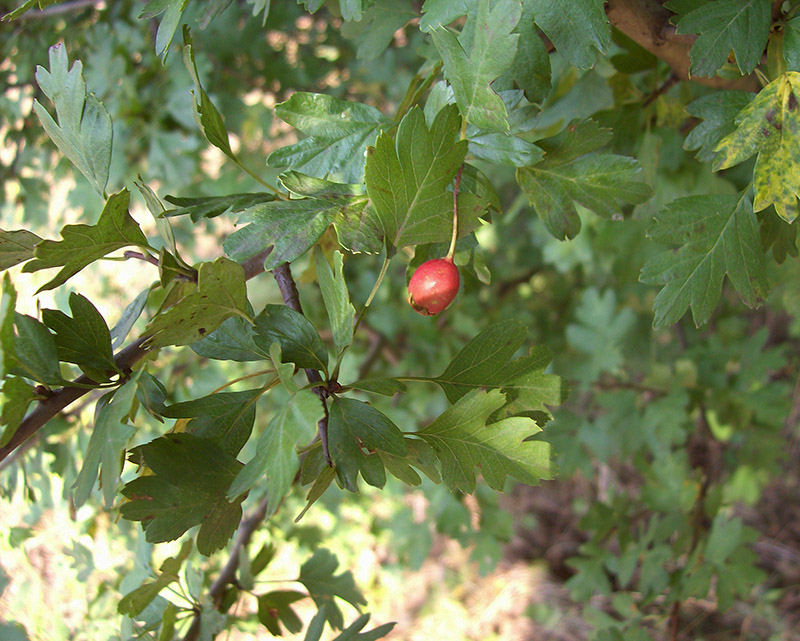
(646, 22)
(291, 298)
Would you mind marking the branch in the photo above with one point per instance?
(125, 359)
(57, 401)
(228, 574)
(291, 298)
(646, 22)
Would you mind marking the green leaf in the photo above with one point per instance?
(135, 601)
(300, 343)
(707, 236)
(8, 301)
(598, 332)
(276, 452)
(341, 312)
(107, 444)
(485, 50)
(718, 111)
(578, 28)
(212, 206)
(172, 10)
(462, 441)
(210, 120)
(285, 371)
(35, 354)
(531, 67)
(482, 359)
(725, 25)
(570, 175)
(16, 247)
(81, 245)
(384, 386)
(321, 483)
(290, 227)
(769, 125)
(485, 362)
(274, 609)
(355, 431)
(504, 149)
(377, 27)
(407, 180)
(221, 293)
(791, 44)
(83, 339)
(190, 479)
(17, 396)
(128, 318)
(233, 340)
(440, 13)
(353, 631)
(779, 236)
(339, 132)
(318, 575)
(226, 418)
(83, 133)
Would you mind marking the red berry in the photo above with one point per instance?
(433, 286)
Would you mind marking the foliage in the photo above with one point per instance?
(598, 192)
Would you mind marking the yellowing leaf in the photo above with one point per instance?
(221, 293)
(769, 126)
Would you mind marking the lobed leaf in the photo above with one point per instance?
(463, 442)
(83, 132)
(16, 247)
(570, 173)
(738, 25)
(276, 451)
(83, 339)
(339, 132)
(769, 126)
(190, 479)
(221, 293)
(407, 180)
(319, 576)
(81, 245)
(356, 431)
(226, 418)
(707, 236)
(578, 28)
(299, 341)
(485, 50)
(107, 444)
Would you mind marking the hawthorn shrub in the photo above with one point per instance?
(212, 215)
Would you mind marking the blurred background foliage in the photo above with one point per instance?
(678, 449)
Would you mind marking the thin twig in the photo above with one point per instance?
(140, 256)
(668, 84)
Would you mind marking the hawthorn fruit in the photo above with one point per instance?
(433, 286)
